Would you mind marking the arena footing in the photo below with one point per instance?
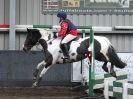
(47, 92)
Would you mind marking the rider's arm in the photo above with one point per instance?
(63, 29)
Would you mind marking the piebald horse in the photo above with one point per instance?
(78, 50)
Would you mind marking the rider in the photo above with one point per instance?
(68, 31)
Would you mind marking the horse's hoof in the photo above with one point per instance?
(34, 85)
(113, 74)
(105, 69)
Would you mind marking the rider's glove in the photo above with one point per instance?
(55, 35)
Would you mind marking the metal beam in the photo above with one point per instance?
(12, 24)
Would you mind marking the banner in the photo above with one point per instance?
(87, 6)
(50, 4)
(70, 3)
(125, 57)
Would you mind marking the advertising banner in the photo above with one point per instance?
(87, 6)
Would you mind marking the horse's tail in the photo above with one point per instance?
(114, 59)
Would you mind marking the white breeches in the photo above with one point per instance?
(68, 38)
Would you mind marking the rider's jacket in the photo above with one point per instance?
(67, 27)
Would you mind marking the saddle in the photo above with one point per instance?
(69, 43)
(65, 49)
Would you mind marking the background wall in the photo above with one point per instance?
(30, 12)
(16, 69)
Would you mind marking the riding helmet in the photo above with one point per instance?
(62, 14)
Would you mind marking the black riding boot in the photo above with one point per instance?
(64, 48)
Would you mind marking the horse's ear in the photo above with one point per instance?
(28, 30)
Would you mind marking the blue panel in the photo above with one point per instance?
(16, 69)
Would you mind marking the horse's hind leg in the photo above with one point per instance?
(112, 71)
(105, 68)
(36, 71)
(39, 78)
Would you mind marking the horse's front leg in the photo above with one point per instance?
(39, 78)
(36, 71)
(105, 68)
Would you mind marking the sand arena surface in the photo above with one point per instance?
(39, 93)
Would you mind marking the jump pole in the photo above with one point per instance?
(91, 82)
(83, 35)
(91, 65)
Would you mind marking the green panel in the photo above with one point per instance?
(42, 26)
(117, 94)
(50, 26)
(117, 84)
(85, 31)
(110, 88)
(84, 27)
(107, 75)
(99, 81)
(91, 66)
(130, 91)
(121, 77)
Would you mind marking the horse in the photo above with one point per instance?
(78, 50)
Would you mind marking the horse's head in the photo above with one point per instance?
(33, 36)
